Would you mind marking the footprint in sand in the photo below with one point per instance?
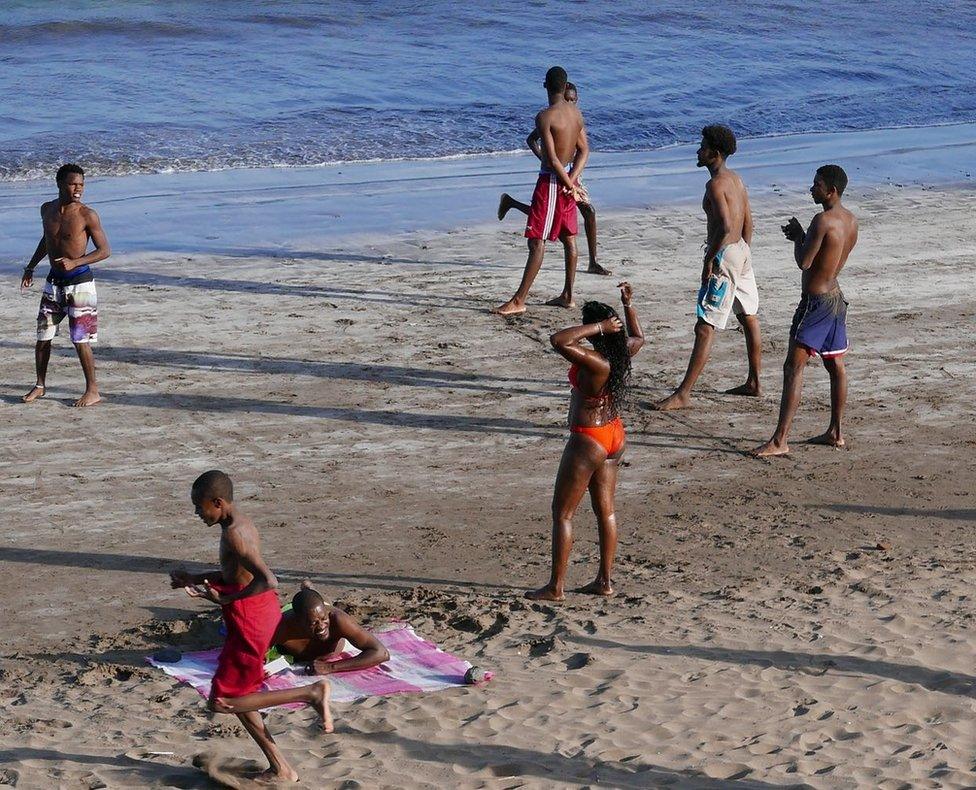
(578, 660)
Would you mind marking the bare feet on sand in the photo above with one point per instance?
(598, 587)
(747, 389)
(504, 204)
(770, 449)
(673, 402)
(323, 693)
(36, 392)
(90, 398)
(547, 593)
(596, 268)
(271, 777)
(561, 301)
(830, 439)
(511, 307)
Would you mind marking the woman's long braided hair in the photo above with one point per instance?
(614, 348)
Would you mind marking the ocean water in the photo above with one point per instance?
(129, 87)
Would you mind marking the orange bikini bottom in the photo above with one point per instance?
(610, 436)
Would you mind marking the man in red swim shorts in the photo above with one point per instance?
(553, 212)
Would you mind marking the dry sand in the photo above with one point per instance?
(397, 444)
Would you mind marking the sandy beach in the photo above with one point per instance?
(803, 622)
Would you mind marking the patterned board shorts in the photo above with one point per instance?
(731, 287)
(78, 302)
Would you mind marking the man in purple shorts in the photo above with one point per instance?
(820, 323)
(70, 288)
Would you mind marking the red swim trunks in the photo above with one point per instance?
(251, 624)
(553, 212)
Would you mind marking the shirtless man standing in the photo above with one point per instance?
(506, 202)
(553, 212)
(820, 323)
(728, 283)
(70, 288)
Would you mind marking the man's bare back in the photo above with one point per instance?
(237, 540)
(563, 122)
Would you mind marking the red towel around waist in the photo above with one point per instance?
(251, 624)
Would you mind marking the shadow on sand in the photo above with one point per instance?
(792, 661)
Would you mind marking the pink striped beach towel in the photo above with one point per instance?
(415, 665)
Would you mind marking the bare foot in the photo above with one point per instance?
(673, 402)
(597, 587)
(323, 693)
(596, 268)
(546, 593)
(511, 307)
(830, 439)
(504, 204)
(89, 399)
(770, 449)
(34, 394)
(272, 777)
(749, 390)
(561, 301)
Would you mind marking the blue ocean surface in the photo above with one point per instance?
(129, 87)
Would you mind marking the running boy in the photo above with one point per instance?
(246, 590)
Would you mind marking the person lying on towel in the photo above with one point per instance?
(312, 632)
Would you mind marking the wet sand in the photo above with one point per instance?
(798, 622)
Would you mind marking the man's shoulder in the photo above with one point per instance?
(241, 528)
(729, 179)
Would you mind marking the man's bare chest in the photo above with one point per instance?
(61, 227)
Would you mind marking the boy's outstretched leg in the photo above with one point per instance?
(506, 203)
(316, 695)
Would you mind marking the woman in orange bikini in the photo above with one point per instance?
(599, 377)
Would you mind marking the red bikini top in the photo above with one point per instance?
(573, 377)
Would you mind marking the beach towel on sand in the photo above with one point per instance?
(415, 665)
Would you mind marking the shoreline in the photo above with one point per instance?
(293, 209)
